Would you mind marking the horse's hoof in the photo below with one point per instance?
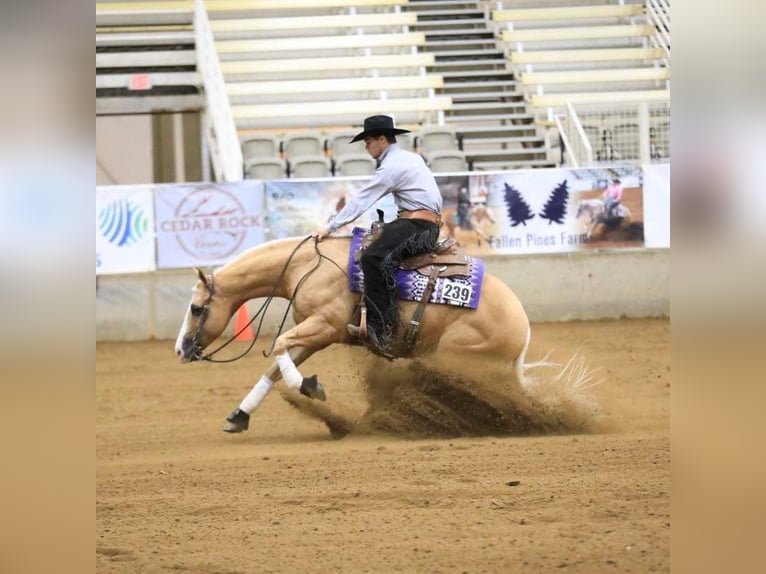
(313, 389)
(237, 421)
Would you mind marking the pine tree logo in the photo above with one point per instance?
(556, 207)
(518, 209)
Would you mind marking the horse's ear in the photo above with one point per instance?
(201, 275)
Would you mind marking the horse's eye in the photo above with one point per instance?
(196, 310)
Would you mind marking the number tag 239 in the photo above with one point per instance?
(456, 293)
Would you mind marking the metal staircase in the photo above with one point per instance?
(489, 114)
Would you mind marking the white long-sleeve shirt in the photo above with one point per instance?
(404, 175)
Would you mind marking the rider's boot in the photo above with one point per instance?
(380, 343)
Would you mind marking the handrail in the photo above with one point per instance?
(571, 159)
(218, 121)
(583, 137)
(658, 16)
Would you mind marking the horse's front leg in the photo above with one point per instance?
(292, 348)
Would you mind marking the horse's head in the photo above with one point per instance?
(205, 319)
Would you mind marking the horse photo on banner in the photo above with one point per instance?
(207, 224)
(465, 214)
(296, 208)
(561, 210)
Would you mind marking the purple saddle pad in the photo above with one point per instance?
(458, 291)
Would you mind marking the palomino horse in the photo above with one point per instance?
(598, 222)
(492, 338)
(478, 215)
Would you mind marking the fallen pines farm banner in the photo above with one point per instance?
(547, 211)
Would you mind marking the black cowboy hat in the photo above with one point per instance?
(378, 126)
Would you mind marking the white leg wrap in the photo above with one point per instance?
(290, 372)
(255, 396)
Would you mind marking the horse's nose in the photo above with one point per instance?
(179, 352)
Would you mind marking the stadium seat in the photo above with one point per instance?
(310, 166)
(265, 168)
(261, 145)
(436, 138)
(447, 160)
(354, 164)
(301, 144)
(339, 143)
(405, 141)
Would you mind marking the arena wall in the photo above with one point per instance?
(558, 287)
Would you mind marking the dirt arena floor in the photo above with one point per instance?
(175, 494)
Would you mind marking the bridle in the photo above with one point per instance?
(202, 311)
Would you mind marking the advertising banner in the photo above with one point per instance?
(545, 211)
(124, 230)
(207, 224)
(657, 204)
(298, 208)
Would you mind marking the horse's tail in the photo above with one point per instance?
(563, 395)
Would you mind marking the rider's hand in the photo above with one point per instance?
(320, 233)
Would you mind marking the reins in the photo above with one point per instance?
(262, 311)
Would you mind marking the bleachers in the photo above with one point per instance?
(145, 58)
(293, 66)
(579, 52)
(323, 65)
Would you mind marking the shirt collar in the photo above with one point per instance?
(387, 150)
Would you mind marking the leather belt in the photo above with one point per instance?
(421, 214)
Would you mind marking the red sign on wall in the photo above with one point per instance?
(140, 82)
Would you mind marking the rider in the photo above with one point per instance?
(463, 209)
(415, 231)
(612, 196)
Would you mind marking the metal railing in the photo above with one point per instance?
(658, 16)
(218, 123)
(631, 132)
(577, 150)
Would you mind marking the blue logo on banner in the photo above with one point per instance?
(122, 222)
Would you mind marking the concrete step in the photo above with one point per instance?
(439, 65)
(474, 143)
(418, 5)
(511, 153)
(484, 42)
(484, 106)
(498, 96)
(451, 76)
(511, 164)
(450, 13)
(441, 26)
(489, 53)
(463, 34)
(456, 85)
(449, 118)
(496, 131)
